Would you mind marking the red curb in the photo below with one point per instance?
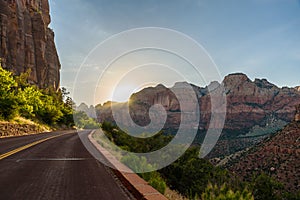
(135, 184)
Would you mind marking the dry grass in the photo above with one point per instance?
(20, 126)
(174, 195)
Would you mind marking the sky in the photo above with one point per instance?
(260, 38)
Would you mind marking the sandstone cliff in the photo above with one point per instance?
(249, 104)
(26, 42)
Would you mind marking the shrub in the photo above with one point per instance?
(213, 192)
(18, 97)
(8, 101)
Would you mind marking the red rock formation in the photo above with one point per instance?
(26, 42)
(249, 103)
(297, 115)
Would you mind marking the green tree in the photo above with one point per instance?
(138, 164)
(83, 121)
(190, 175)
(213, 192)
(30, 101)
(8, 100)
(19, 97)
(266, 188)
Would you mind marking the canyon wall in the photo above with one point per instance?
(27, 43)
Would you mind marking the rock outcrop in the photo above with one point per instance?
(8, 129)
(249, 104)
(27, 43)
(297, 115)
(89, 111)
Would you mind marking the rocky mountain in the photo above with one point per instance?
(251, 106)
(277, 156)
(26, 41)
(89, 111)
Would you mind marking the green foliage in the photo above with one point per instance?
(136, 163)
(18, 97)
(213, 192)
(107, 127)
(189, 175)
(157, 182)
(83, 121)
(140, 164)
(8, 100)
(134, 144)
(266, 188)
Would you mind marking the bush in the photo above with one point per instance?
(83, 121)
(8, 101)
(213, 192)
(138, 164)
(266, 188)
(157, 182)
(18, 97)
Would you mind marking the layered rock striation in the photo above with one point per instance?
(249, 104)
(27, 43)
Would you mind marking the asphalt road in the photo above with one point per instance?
(59, 168)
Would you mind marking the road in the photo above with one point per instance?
(59, 168)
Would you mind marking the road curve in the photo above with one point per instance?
(59, 168)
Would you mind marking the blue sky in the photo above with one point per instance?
(258, 37)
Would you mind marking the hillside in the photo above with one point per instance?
(277, 156)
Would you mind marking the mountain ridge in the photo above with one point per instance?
(249, 103)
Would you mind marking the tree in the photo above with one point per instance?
(83, 121)
(266, 188)
(8, 101)
(213, 192)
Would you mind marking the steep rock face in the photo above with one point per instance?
(249, 104)
(26, 42)
(253, 102)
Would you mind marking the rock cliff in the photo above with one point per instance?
(27, 43)
(250, 104)
(89, 111)
(297, 115)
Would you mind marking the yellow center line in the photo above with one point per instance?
(5, 155)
